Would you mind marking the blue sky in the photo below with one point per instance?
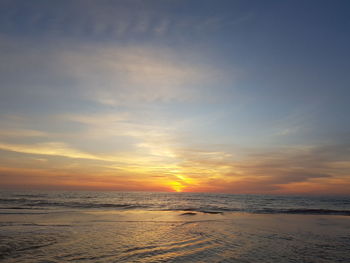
(218, 96)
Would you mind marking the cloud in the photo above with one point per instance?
(75, 180)
(111, 20)
(268, 171)
(51, 148)
(120, 75)
(20, 133)
(293, 170)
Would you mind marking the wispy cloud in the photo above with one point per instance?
(111, 20)
(270, 171)
(52, 148)
(107, 74)
(20, 133)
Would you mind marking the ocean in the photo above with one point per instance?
(78, 226)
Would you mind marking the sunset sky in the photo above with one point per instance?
(175, 95)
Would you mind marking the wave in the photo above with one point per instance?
(308, 211)
(10, 200)
(31, 195)
(38, 204)
(205, 204)
(305, 211)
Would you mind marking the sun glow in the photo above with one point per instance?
(177, 186)
(181, 183)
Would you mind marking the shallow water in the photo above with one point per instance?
(63, 233)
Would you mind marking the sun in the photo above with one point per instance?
(177, 186)
(181, 183)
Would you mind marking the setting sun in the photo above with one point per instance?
(177, 186)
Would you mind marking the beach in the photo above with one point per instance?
(174, 131)
(171, 236)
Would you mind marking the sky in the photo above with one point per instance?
(241, 97)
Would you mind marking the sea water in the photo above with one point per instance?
(200, 202)
(62, 226)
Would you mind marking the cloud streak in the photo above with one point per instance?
(111, 20)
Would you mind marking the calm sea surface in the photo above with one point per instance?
(175, 201)
(172, 227)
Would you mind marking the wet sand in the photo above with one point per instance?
(171, 236)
